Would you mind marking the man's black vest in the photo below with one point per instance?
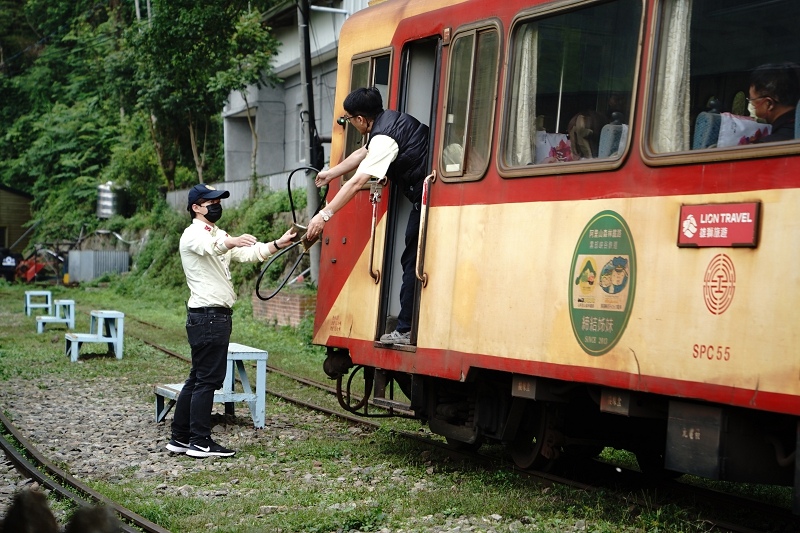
(411, 136)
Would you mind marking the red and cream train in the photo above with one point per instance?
(605, 259)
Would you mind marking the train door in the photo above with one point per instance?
(416, 96)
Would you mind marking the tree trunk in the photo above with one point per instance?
(253, 133)
(167, 166)
(199, 159)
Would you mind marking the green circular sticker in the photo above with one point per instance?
(603, 283)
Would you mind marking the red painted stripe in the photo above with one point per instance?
(452, 365)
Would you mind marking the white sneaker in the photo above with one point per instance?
(396, 337)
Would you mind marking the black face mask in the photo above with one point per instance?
(214, 212)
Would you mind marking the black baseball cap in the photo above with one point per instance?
(202, 191)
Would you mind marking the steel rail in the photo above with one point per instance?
(63, 480)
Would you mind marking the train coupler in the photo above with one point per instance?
(337, 363)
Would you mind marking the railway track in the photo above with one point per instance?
(639, 488)
(34, 465)
(632, 490)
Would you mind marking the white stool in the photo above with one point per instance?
(105, 327)
(65, 314)
(31, 304)
(255, 399)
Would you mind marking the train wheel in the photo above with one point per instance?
(530, 448)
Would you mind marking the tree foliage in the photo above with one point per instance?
(182, 55)
(89, 95)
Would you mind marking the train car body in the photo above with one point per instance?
(606, 250)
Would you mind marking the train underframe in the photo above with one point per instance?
(545, 422)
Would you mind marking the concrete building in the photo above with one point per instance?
(278, 111)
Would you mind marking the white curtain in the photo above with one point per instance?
(522, 127)
(672, 119)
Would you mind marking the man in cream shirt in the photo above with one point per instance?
(206, 254)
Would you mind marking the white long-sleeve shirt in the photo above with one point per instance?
(206, 263)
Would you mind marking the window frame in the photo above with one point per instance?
(704, 155)
(535, 14)
(474, 29)
(352, 139)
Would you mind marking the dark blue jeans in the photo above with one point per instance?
(409, 262)
(209, 335)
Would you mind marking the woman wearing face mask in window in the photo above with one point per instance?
(774, 92)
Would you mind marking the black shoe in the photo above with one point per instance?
(177, 446)
(208, 448)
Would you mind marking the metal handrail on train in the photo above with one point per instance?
(374, 199)
(298, 240)
(423, 228)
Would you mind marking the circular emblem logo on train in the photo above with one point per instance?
(602, 283)
(719, 284)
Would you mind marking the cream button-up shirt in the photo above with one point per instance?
(206, 263)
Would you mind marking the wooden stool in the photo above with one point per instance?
(105, 326)
(256, 399)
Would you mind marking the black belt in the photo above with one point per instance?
(211, 310)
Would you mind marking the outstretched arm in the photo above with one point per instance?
(349, 164)
(345, 194)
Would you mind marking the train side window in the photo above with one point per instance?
(469, 104)
(571, 85)
(366, 72)
(706, 51)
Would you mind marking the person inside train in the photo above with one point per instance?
(774, 92)
(584, 134)
(398, 149)
(582, 140)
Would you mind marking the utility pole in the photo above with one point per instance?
(314, 157)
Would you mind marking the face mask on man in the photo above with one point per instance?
(214, 212)
(751, 109)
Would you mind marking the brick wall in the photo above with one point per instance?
(285, 309)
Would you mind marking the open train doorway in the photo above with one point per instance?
(417, 94)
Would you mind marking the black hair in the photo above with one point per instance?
(779, 81)
(365, 101)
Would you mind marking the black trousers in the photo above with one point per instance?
(408, 260)
(209, 335)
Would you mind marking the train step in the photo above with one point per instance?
(392, 404)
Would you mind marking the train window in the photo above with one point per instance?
(706, 52)
(366, 72)
(571, 82)
(470, 104)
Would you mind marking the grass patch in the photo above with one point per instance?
(305, 472)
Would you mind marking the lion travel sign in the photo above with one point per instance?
(719, 225)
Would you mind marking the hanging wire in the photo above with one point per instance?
(299, 240)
